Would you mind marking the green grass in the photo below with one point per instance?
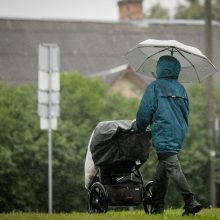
(205, 214)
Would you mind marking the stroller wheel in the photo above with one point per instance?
(98, 202)
(147, 203)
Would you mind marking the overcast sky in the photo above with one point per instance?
(77, 9)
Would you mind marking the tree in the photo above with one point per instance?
(216, 10)
(196, 145)
(194, 10)
(157, 11)
(23, 146)
(21, 172)
(84, 103)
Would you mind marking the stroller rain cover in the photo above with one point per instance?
(114, 141)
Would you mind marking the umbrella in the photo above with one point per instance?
(195, 66)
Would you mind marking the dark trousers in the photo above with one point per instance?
(169, 168)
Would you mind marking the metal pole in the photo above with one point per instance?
(50, 184)
(50, 171)
(210, 102)
(216, 129)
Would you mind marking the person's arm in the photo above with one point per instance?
(146, 108)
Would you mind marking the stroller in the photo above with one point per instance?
(115, 154)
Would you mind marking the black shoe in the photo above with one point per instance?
(191, 207)
(157, 209)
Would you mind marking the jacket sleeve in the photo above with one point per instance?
(146, 108)
(187, 109)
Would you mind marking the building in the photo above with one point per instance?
(125, 80)
(92, 47)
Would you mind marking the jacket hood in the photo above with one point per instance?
(168, 67)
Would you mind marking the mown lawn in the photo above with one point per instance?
(205, 214)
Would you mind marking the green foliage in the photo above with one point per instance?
(196, 146)
(216, 10)
(192, 9)
(18, 133)
(217, 144)
(157, 11)
(195, 9)
(23, 146)
(84, 103)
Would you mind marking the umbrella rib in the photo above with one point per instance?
(157, 53)
(152, 55)
(189, 62)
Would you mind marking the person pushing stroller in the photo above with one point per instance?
(165, 107)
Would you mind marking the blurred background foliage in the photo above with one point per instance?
(84, 103)
(190, 9)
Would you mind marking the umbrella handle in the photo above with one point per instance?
(172, 52)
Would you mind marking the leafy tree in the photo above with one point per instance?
(23, 146)
(217, 143)
(196, 146)
(157, 11)
(216, 10)
(84, 102)
(193, 10)
(23, 154)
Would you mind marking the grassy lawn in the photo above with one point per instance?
(205, 214)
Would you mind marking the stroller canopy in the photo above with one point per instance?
(114, 141)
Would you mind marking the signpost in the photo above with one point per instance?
(49, 100)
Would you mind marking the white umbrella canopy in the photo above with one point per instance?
(195, 66)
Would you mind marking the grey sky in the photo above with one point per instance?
(78, 9)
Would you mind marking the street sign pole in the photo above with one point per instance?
(50, 171)
(48, 102)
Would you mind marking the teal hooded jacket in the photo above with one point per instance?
(165, 107)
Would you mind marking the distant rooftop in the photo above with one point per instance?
(146, 22)
(88, 46)
(141, 23)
